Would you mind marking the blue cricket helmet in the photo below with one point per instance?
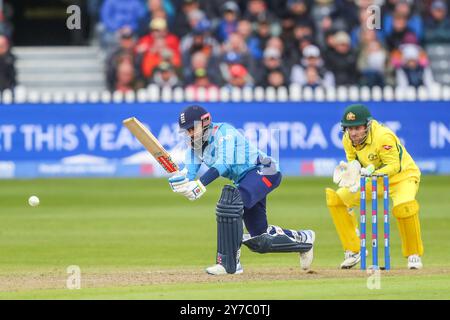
(191, 114)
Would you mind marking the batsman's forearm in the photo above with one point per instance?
(209, 176)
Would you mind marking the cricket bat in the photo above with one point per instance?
(149, 141)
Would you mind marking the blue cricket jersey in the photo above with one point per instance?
(229, 152)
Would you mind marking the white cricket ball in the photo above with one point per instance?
(33, 201)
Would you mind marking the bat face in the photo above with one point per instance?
(149, 141)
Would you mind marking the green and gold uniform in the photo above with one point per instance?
(384, 151)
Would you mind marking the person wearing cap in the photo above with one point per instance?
(238, 77)
(201, 80)
(228, 23)
(412, 73)
(155, 46)
(311, 59)
(272, 60)
(165, 76)
(371, 148)
(437, 25)
(227, 153)
(341, 60)
(125, 50)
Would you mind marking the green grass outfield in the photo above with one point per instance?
(135, 239)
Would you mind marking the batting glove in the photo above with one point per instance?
(193, 190)
(178, 182)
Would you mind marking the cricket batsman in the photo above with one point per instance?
(375, 149)
(227, 153)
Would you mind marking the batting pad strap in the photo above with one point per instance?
(229, 212)
(266, 243)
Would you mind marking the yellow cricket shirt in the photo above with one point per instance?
(383, 149)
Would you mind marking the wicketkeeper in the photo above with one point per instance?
(372, 148)
(227, 153)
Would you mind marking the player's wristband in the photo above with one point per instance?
(209, 176)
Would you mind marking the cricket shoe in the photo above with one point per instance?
(414, 262)
(218, 269)
(351, 259)
(306, 258)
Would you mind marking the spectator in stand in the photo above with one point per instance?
(257, 9)
(239, 77)
(213, 9)
(400, 32)
(287, 31)
(181, 24)
(413, 20)
(300, 11)
(228, 24)
(194, 18)
(272, 60)
(322, 12)
(303, 37)
(200, 39)
(372, 64)
(126, 80)
(116, 14)
(200, 60)
(7, 69)
(201, 80)
(236, 44)
(277, 7)
(158, 43)
(6, 15)
(312, 78)
(361, 30)
(341, 60)
(413, 73)
(312, 59)
(165, 6)
(276, 78)
(275, 42)
(244, 28)
(165, 77)
(125, 51)
(437, 25)
(262, 32)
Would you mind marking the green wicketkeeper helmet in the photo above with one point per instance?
(356, 115)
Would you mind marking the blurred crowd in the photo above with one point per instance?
(7, 60)
(216, 43)
(248, 43)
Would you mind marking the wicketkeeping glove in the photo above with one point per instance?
(339, 171)
(367, 171)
